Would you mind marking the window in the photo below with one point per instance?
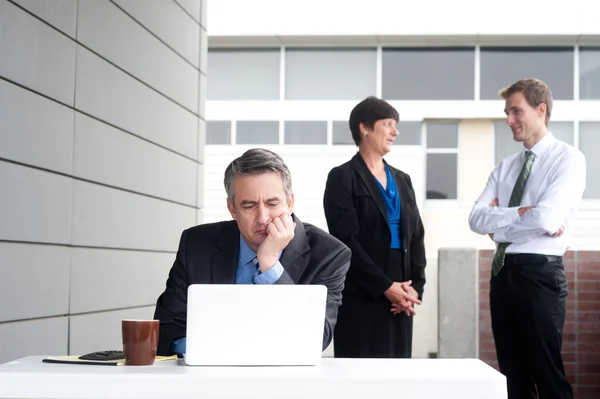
(502, 66)
(330, 74)
(341, 133)
(218, 132)
(506, 146)
(589, 140)
(257, 132)
(305, 132)
(409, 133)
(243, 74)
(442, 160)
(589, 73)
(428, 73)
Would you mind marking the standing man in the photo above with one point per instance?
(525, 208)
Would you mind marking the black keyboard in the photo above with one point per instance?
(104, 355)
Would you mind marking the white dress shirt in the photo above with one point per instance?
(555, 187)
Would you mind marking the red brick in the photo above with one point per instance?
(569, 337)
(589, 296)
(569, 255)
(569, 327)
(485, 273)
(589, 337)
(570, 368)
(570, 265)
(587, 327)
(584, 368)
(484, 306)
(588, 255)
(589, 358)
(487, 355)
(570, 275)
(589, 348)
(591, 317)
(569, 357)
(486, 335)
(587, 391)
(571, 286)
(569, 346)
(588, 285)
(486, 254)
(488, 346)
(571, 316)
(588, 379)
(588, 306)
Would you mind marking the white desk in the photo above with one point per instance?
(333, 378)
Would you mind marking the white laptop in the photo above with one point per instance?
(255, 325)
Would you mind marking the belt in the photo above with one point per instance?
(529, 259)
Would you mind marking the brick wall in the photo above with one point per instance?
(581, 340)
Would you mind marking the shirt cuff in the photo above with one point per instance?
(270, 276)
(178, 346)
(512, 215)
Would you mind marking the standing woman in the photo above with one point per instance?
(370, 206)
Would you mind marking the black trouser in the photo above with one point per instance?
(527, 303)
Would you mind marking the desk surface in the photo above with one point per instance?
(349, 378)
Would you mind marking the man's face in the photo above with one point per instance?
(258, 199)
(526, 122)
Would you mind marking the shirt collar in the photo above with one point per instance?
(246, 254)
(542, 146)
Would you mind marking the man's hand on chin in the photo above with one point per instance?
(279, 234)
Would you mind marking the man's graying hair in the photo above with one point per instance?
(255, 162)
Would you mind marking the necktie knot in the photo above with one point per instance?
(529, 155)
(255, 262)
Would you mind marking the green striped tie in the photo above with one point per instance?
(515, 200)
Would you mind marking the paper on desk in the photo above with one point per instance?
(76, 360)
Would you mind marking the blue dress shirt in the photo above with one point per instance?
(247, 273)
(392, 207)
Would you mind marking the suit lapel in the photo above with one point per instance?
(369, 181)
(224, 264)
(291, 257)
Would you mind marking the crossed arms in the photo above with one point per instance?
(521, 224)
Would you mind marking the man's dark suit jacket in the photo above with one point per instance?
(356, 214)
(208, 254)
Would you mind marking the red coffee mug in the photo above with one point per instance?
(140, 341)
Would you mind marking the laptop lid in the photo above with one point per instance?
(255, 325)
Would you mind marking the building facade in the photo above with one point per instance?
(285, 76)
(101, 152)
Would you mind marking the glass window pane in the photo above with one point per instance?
(243, 74)
(589, 141)
(218, 132)
(502, 66)
(506, 146)
(442, 176)
(442, 134)
(330, 74)
(341, 133)
(305, 132)
(429, 73)
(257, 132)
(409, 133)
(589, 73)
(504, 143)
(563, 131)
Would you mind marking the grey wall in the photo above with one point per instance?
(101, 164)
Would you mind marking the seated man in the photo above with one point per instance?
(264, 244)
